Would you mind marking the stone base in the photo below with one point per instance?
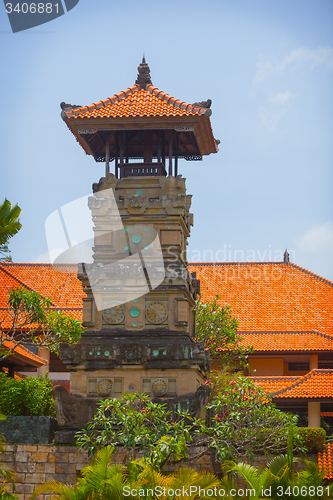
(75, 412)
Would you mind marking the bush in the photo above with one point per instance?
(312, 438)
(31, 396)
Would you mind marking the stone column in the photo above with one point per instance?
(313, 414)
(45, 354)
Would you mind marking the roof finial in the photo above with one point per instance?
(286, 257)
(143, 78)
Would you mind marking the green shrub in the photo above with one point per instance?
(313, 438)
(31, 396)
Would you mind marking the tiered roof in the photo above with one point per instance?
(317, 384)
(325, 461)
(287, 341)
(141, 107)
(270, 297)
(61, 285)
(137, 102)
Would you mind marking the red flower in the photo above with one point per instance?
(207, 382)
(219, 417)
(232, 382)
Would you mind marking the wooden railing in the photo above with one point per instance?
(142, 169)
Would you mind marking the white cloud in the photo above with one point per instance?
(281, 98)
(275, 108)
(314, 249)
(269, 118)
(322, 56)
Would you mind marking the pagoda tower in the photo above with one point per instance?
(138, 310)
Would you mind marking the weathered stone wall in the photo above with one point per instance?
(28, 430)
(36, 463)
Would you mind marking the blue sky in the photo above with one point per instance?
(266, 65)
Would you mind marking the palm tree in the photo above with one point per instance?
(9, 226)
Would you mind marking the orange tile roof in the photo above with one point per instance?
(318, 383)
(325, 461)
(63, 288)
(273, 384)
(22, 354)
(270, 296)
(17, 376)
(136, 101)
(287, 341)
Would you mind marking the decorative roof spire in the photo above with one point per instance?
(143, 74)
(286, 257)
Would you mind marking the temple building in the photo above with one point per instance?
(136, 296)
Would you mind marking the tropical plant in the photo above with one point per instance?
(30, 396)
(139, 479)
(276, 480)
(138, 424)
(30, 320)
(9, 226)
(244, 422)
(217, 329)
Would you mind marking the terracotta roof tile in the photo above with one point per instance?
(325, 461)
(24, 352)
(273, 384)
(287, 341)
(136, 101)
(318, 383)
(63, 288)
(270, 296)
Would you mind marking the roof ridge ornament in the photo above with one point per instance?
(143, 78)
(286, 257)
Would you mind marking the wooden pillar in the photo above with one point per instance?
(148, 146)
(313, 414)
(313, 361)
(159, 145)
(127, 145)
(116, 156)
(170, 154)
(107, 157)
(163, 148)
(121, 152)
(176, 154)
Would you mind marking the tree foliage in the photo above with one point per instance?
(217, 329)
(135, 422)
(244, 422)
(241, 421)
(30, 320)
(30, 396)
(9, 226)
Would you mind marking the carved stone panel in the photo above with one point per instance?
(156, 313)
(114, 315)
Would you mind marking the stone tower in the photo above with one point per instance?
(138, 313)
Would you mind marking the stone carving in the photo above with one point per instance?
(108, 182)
(156, 312)
(203, 104)
(104, 386)
(136, 204)
(114, 315)
(159, 386)
(72, 411)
